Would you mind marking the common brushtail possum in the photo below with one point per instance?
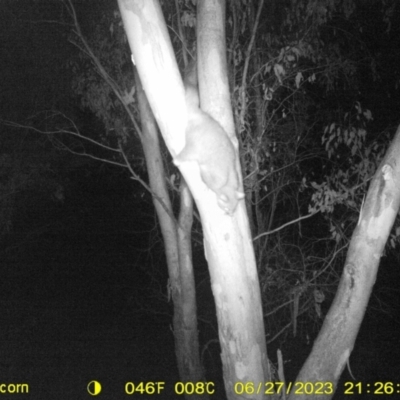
(209, 145)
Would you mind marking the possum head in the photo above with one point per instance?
(228, 201)
(223, 180)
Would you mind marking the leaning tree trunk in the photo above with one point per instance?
(335, 342)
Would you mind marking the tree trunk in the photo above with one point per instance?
(335, 342)
(177, 239)
(227, 239)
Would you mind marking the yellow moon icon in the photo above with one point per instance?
(94, 388)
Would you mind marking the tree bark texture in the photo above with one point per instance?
(228, 242)
(335, 342)
(177, 242)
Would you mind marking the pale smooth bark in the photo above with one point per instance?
(335, 342)
(177, 242)
(227, 240)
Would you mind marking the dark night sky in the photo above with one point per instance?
(33, 53)
(34, 46)
(75, 273)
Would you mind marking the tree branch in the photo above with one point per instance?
(86, 49)
(284, 225)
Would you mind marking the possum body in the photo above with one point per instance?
(208, 144)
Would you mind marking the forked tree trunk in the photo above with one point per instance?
(177, 242)
(227, 239)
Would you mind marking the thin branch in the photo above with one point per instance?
(63, 146)
(91, 156)
(279, 333)
(285, 225)
(69, 132)
(86, 49)
(247, 60)
(146, 186)
(335, 253)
